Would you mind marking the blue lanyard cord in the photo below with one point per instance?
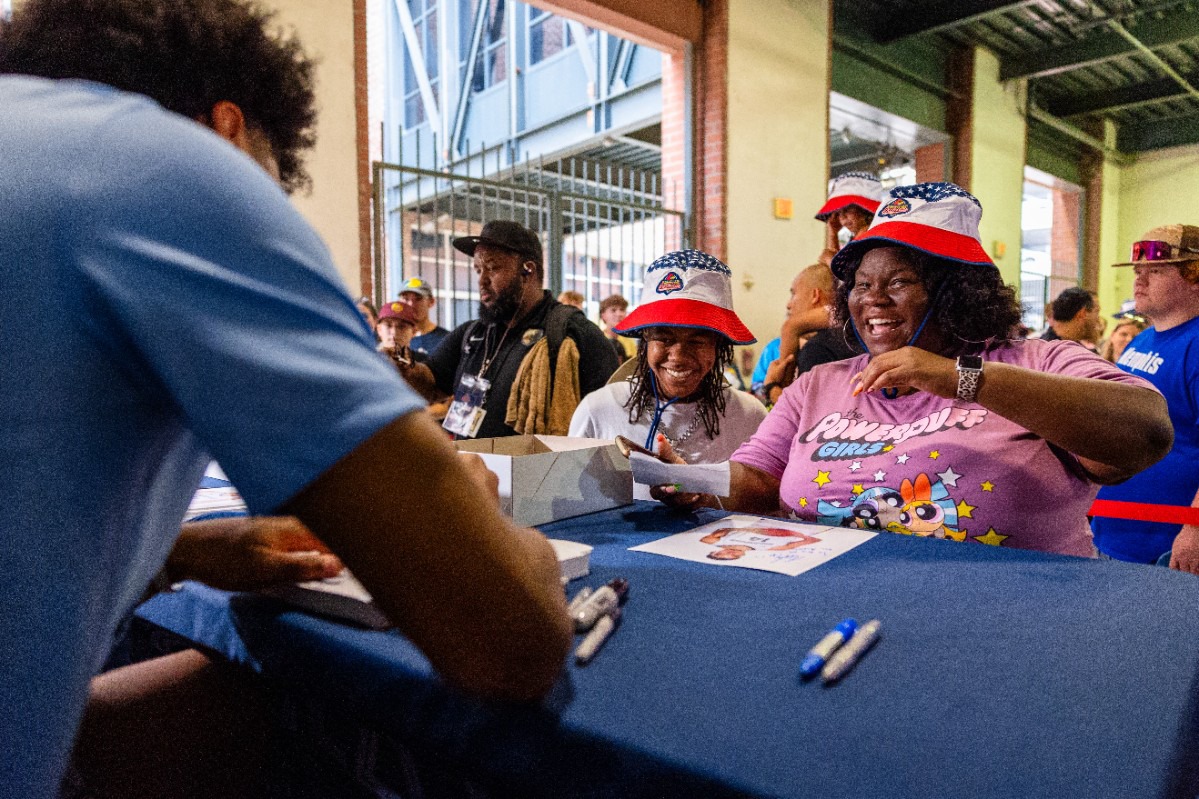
(659, 407)
(892, 393)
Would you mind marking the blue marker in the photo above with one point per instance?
(814, 661)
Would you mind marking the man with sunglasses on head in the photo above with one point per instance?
(1166, 263)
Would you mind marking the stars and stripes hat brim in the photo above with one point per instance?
(940, 219)
(687, 288)
(853, 188)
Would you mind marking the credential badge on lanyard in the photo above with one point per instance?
(466, 412)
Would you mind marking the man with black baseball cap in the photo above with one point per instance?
(480, 360)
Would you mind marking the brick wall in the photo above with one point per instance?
(711, 111)
(1064, 235)
(930, 163)
(363, 144)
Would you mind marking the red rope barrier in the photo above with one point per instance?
(1142, 512)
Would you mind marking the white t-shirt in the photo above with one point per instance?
(602, 414)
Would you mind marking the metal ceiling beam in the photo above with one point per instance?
(1101, 47)
(1111, 100)
(1157, 60)
(1117, 155)
(850, 47)
(936, 15)
(1156, 134)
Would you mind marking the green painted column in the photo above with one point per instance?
(1115, 285)
(997, 154)
(777, 147)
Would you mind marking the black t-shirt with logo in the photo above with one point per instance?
(472, 343)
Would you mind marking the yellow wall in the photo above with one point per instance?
(997, 161)
(1157, 189)
(777, 139)
(327, 32)
(1115, 285)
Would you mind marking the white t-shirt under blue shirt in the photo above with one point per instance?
(161, 303)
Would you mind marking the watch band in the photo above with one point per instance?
(970, 372)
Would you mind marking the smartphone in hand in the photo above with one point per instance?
(626, 446)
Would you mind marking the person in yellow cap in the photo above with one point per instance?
(417, 294)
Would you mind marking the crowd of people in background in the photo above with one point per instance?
(1079, 420)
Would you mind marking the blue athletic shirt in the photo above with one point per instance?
(161, 304)
(770, 354)
(1170, 360)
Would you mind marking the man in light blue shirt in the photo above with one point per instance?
(162, 305)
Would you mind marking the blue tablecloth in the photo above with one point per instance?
(999, 673)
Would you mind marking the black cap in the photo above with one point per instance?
(511, 236)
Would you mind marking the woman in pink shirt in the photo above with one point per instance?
(946, 426)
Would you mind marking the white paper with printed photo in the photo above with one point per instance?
(693, 478)
(213, 500)
(755, 542)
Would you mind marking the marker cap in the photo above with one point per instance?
(814, 661)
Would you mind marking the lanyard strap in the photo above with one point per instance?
(486, 360)
(659, 408)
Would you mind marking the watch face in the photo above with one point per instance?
(970, 362)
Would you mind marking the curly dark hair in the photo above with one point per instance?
(711, 388)
(972, 303)
(188, 55)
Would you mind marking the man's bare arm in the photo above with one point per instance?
(480, 596)
(420, 377)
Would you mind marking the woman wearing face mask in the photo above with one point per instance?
(677, 395)
(945, 427)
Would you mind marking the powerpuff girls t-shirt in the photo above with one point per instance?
(928, 466)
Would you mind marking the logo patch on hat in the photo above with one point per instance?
(395, 306)
(670, 283)
(896, 207)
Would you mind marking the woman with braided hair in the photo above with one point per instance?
(677, 396)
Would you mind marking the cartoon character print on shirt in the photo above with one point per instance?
(927, 510)
(913, 499)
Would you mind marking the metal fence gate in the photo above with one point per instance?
(600, 223)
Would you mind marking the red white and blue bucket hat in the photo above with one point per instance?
(940, 219)
(853, 188)
(688, 288)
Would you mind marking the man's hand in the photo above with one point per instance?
(800, 324)
(243, 554)
(832, 235)
(487, 480)
(420, 377)
(908, 367)
(781, 371)
(1185, 555)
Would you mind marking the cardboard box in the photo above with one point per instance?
(545, 478)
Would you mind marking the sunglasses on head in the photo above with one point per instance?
(1157, 251)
